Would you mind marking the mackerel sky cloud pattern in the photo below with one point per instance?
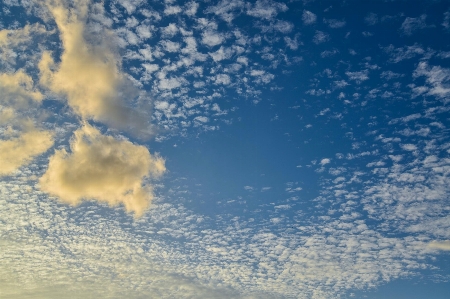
(224, 149)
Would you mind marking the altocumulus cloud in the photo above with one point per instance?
(102, 168)
(99, 167)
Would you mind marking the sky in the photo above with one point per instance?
(224, 149)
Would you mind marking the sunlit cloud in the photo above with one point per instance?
(88, 75)
(440, 245)
(337, 182)
(20, 150)
(102, 168)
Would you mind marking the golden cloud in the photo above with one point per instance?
(17, 90)
(89, 76)
(440, 245)
(13, 37)
(102, 168)
(19, 151)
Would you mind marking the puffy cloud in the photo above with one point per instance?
(308, 17)
(325, 161)
(266, 9)
(102, 168)
(16, 152)
(212, 38)
(89, 76)
(437, 79)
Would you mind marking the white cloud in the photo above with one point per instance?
(170, 83)
(130, 5)
(191, 8)
(172, 10)
(409, 147)
(202, 119)
(222, 79)
(406, 52)
(325, 161)
(227, 10)
(389, 75)
(333, 23)
(144, 31)
(446, 21)
(320, 37)
(291, 43)
(358, 76)
(308, 17)
(170, 46)
(437, 78)
(170, 30)
(410, 25)
(266, 9)
(221, 54)
(283, 26)
(212, 38)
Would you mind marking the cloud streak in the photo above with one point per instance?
(440, 245)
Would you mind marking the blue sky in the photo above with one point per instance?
(224, 149)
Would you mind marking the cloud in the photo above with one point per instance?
(320, 37)
(102, 168)
(406, 52)
(19, 151)
(191, 8)
(89, 75)
(18, 90)
(333, 23)
(358, 76)
(172, 10)
(266, 9)
(412, 24)
(371, 19)
(437, 79)
(19, 147)
(446, 22)
(308, 17)
(325, 161)
(211, 38)
(225, 9)
(440, 245)
(14, 37)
